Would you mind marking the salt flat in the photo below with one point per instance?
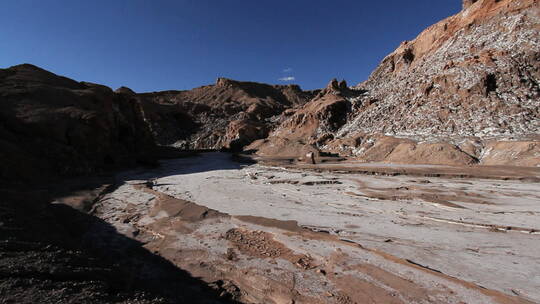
(482, 231)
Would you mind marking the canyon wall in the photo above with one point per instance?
(52, 126)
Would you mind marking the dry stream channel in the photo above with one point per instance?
(270, 234)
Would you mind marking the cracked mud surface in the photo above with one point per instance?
(288, 235)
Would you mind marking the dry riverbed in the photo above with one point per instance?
(328, 234)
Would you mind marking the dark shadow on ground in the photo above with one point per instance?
(52, 253)
(55, 254)
(194, 163)
(203, 162)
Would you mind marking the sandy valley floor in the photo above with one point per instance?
(271, 234)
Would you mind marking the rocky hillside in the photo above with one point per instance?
(306, 128)
(465, 91)
(229, 114)
(52, 126)
(474, 74)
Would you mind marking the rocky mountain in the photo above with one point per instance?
(228, 114)
(473, 74)
(306, 128)
(465, 91)
(52, 126)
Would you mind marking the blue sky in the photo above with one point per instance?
(158, 45)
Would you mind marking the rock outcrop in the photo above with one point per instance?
(473, 74)
(468, 3)
(229, 114)
(461, 87)
(52, 126)
(311, 125)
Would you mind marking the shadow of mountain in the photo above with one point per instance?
(203, 162)
(89, 187)
(51, 253)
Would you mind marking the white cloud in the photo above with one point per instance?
(288, 78)
(287, 70)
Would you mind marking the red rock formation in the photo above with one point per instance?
(473, 74)
(311, 125)
(229, 114)
(468, 3)
(462, 84)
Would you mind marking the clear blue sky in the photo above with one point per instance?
(157, 45)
